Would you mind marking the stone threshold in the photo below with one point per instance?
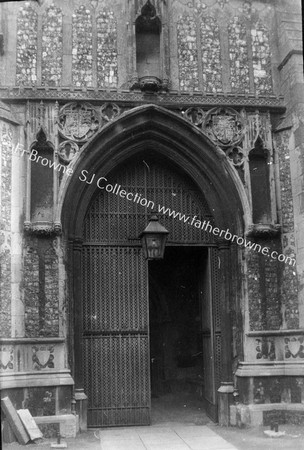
(299, 331)
(38, 340)
(270, 368)
(35, 379)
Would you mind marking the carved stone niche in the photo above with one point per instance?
(224, 126)
(150, 72)
(40, 188)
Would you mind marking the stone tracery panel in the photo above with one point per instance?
(26, 67)
(82, 59)
(211, 54)
(261, 59)
(187, 53)
(106, 49)
(238, 55)
(51, 69)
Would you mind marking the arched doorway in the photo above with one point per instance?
(120, 341)
(215, 191)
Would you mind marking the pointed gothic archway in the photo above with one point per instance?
(153, 130)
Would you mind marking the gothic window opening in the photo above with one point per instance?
(148, 29)
(42, 180)
(260, 183)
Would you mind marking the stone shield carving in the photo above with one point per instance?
(78, 121)
(224, 126)
(294, 347)
(43, 356)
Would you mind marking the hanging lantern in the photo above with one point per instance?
(153, 239)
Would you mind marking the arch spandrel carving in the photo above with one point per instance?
(152, 127)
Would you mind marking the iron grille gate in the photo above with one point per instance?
(115, 292)
(116, 341)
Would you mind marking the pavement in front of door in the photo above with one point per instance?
(178, 422)
(178, 436)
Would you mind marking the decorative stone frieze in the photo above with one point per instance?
(275, 345)
(272, 103)
(27, 355)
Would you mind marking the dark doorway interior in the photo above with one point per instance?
(176, 327)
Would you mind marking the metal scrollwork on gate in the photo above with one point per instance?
(78, 121)
(224, 126)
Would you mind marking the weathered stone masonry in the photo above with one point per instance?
(6, 145)
(228, 62)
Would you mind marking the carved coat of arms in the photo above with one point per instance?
(43, 357)
(78, 121)
(224, 126)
